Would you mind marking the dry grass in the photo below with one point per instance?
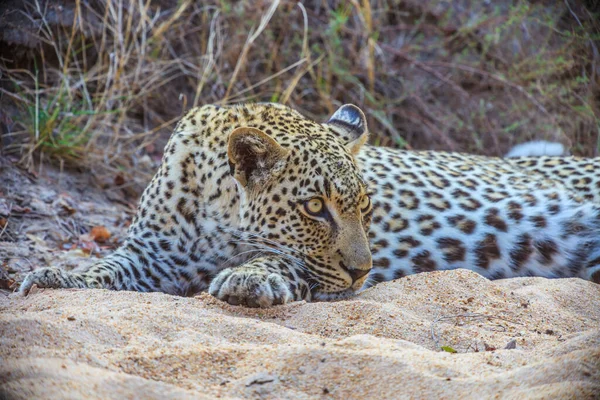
(94, 83)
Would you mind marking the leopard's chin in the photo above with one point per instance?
(347, 293)
(333, 296)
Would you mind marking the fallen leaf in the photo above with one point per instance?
(100, 234)
(448, 349)
(488, 347)
(7, 284)
(66, 203)
(119, 179)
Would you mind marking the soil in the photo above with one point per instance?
(46, 218)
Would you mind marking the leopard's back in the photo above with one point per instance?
(501, 218)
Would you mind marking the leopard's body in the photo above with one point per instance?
(261, 206)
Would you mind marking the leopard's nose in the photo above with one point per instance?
(356, 273)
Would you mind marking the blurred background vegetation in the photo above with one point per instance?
(99, 84)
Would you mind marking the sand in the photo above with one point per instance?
(518, 338)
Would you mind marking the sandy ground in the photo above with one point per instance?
(382, 344)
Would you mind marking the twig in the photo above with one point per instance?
(425, 68)
(5, 226)
(211, 59)
(499, 79)
(592, 45)
(242, 58)
(305, 56)
(267, 79)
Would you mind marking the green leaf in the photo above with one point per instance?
(448, 349)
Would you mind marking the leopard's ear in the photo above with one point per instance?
(254, 156)
(350, 124)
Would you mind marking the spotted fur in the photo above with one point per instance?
(260, 206)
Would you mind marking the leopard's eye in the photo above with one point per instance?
(314, 206)
(365, 203)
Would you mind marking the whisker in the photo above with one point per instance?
(243, 253)
(262, 247)
(262, 244)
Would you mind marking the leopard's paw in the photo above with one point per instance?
(53, 278)
(250, 287)
(43, 278)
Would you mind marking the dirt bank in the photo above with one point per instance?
(519, 338)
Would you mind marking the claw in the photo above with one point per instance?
(250, 287)
(27, 284)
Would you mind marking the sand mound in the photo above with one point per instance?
(383, 344)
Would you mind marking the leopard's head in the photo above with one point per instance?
(303, 193)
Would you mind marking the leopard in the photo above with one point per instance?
(259, 205)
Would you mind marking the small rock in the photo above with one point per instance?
(260, 379)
